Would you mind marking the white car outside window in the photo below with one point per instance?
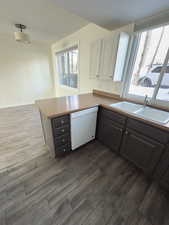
(151, 78)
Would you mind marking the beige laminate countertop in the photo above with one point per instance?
(64, 105)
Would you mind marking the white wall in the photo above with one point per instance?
(85, 36)
(25, 73)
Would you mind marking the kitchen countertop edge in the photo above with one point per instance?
(104, 101)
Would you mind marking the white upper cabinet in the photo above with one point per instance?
(107, 56)
(95, 51)
(121, 55)
(109, 63)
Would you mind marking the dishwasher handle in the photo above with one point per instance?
(84, 112)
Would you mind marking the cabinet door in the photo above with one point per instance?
(95, 51)
(109, 134)
(165, 179)
(142, 151)
(121, 56)
(162, 171)
(107, 58)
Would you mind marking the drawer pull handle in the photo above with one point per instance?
(63, 140)
(126, 132)
(64, 150)
(63, 130)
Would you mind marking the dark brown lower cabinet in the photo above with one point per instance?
(162, 171)
(139, 142)
(109, 133)
(144, 152)
(61, 134)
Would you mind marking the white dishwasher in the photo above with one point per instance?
(83, 126)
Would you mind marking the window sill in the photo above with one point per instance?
(68, 88)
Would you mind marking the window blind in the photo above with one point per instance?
(67, 50)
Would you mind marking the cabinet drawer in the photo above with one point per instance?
(61, 131)
(60, 121)
(148, 130)
(116, 117)
(62, 140)
(64, 148)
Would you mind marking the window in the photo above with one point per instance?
(157, 70)
(67, 65)
(150, 70)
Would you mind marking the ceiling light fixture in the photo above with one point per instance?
(20, 36)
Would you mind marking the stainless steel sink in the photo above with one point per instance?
(148, 113)
(153, 114)
(127, 106)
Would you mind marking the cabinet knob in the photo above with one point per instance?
(62, 121)
(126, 132)
(64, 150)
(63, 140)
(63, 130)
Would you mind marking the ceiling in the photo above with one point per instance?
(51, 20)
(114, 13)
(44, 19)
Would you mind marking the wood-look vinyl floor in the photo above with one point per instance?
(91, 186)
(21, 136)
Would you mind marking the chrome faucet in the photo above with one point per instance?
(146, 100)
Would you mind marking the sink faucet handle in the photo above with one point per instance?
(146, 100)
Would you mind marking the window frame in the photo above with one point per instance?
(132, 54)
(66, 49)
